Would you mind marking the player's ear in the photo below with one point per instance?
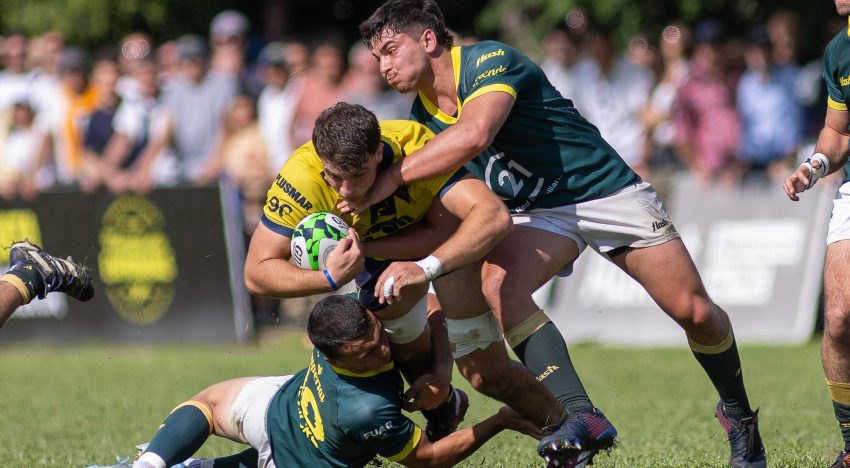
(428, 40)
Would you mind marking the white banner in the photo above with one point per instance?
(759, 254)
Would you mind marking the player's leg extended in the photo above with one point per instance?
(233, 409)
(517, 267)
(836, 335)
(669, 275)
(479, 350)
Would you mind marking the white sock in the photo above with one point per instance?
(149, 460)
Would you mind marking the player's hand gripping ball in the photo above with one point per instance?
(314, 238)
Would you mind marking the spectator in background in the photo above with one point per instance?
(98, 129)
(168, 63)
(20, 140)
(196, 100)
(139, 126)
(276, 104)
(708, 131)
(297, 59)
(364, 85)
(783, 28)
(135, 47)
(15, 79)
(771, 119)
(561, 54)
(66, 116)
(611, 92)
(656, 116)
(320, 90)
(228, 40)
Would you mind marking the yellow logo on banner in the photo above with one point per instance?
(15, 225)
(136, 261)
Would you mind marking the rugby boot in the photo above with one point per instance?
(57, 274)
(744, 439)
(578, 438)
(444, 419)
(842, 461)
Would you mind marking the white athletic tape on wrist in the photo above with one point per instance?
(822, 169)
(388, 286)
(432, 267)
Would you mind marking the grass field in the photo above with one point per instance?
(71, 407)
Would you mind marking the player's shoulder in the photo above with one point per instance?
(839, 45)
(484, 53)
(405, 136)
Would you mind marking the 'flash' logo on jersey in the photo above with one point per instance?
(844, 80)
(488, 55)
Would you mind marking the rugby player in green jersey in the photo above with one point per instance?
(831, 154)
(34, 273)
(341, 411)
(495, 112)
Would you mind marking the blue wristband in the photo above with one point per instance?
(330, 280)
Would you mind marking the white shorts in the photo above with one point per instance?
(839, 222)
(631, 217)
(248, 415)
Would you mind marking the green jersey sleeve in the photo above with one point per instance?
(832, 73)
(492, 66)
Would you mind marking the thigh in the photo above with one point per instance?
(459, 292)
(239, 407)
(529, 257)
(836, 278)
(666, 272)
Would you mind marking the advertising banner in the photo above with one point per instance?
(759, 254)
(162, 267)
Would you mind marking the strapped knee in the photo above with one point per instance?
(472, 334)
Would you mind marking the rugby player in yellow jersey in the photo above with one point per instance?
(341, 411)
(349, 147)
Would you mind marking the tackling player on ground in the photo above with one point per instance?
(496, 113)
(34, 273)
(341, 411)
(831, 152)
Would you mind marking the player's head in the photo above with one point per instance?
(402, 35)
(347, 138)
(350, 336)
(842, 7)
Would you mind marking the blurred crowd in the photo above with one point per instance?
(726, 106)
(136, 115)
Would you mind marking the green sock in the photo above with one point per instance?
(724, 370)
(842, 414)
(246, 459)
(182, 433)
(545, 354)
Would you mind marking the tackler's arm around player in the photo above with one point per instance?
(830, 155)
(268, 271)
(481, 120)
(485, 221)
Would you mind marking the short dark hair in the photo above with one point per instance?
(410, 17)
(345, 135)
(335, 321)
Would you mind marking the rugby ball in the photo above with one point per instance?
(314, 238)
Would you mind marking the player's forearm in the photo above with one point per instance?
(447, 152)
(459, 445)
(279, 278)
(834, 145)
(481, 230)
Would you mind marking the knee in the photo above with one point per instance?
(697, 312)
(837, 322)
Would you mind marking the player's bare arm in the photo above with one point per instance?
(460, 444)
(269, 273)
(485, 222)
(832, 144)
(418, 240)
(480, 121)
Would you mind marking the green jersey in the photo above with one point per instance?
(836, 73)
(546, 154)
(330, 417)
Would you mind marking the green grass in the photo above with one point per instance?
(70, 407)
